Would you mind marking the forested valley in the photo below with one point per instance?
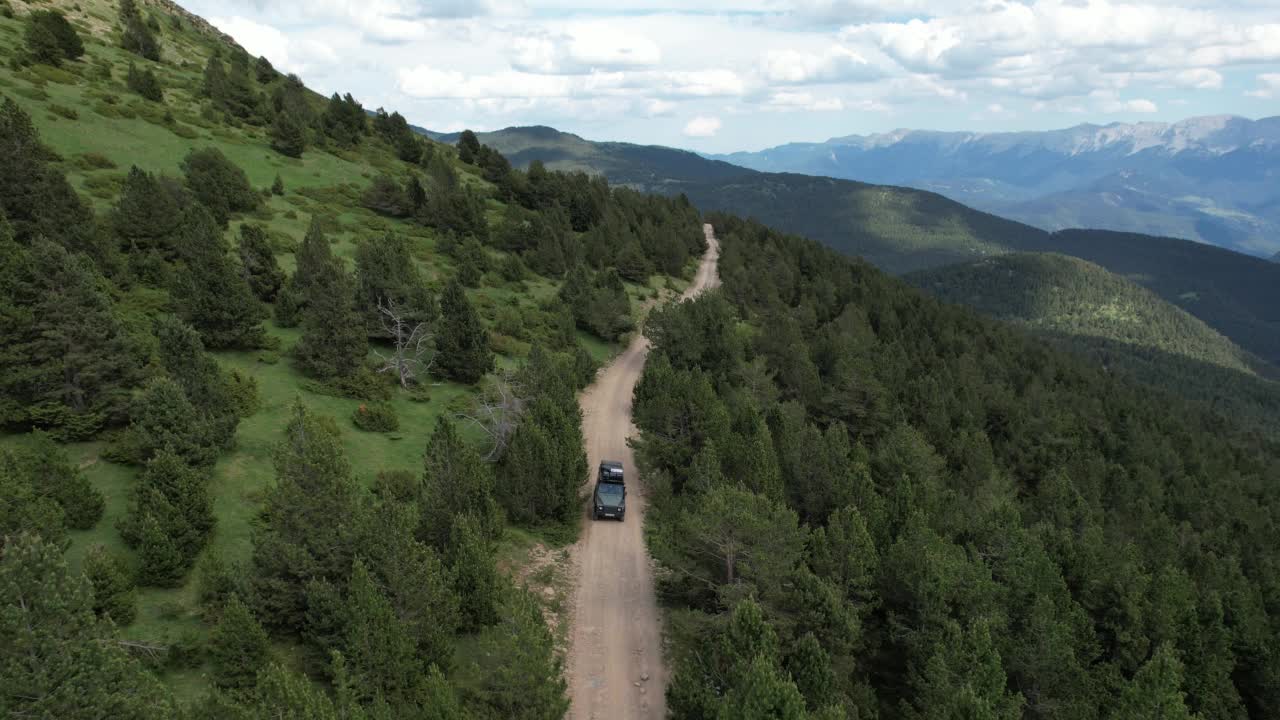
(867, 503)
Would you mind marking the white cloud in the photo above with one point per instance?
(836, 64)
(1199, 78)
(702, 126)
(701, 83)
(658, 108)
(803, 101)
(1268, 86)
(1107, 102)
(597, 46)
(996, 109)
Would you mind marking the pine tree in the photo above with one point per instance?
(51, 39)
(474, 574)
(288, 136)
(381, 655)
(144, 83)
(468, 147)
(35, 195)
(521, 674)
(762, 692)
(809, 666)
(148, 214)
(387, 277)
(58, 660)
(307, 519)
(114, 593)
(705, 472)
(543, 467)
(333, 342)
(51, 473)
(282, 694)
(65, 357)
(163, 417)
(277, 186)
(215, 85)
(463, 343)
(22, 508)
(175, 495)
(964, 678)
(160, 562)
(455, 482)
(242, 100)
(137, 37)
(207, 387)
(258, 262)
(219, 184)
(211, 293)
(238, 647)
(1156, 690)
(314, 260)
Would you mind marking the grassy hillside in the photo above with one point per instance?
(1116, 322)
(98, 128)
(903, 230)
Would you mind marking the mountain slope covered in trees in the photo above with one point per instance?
(902, 230)
(243, 329)
(868, 503)
(1122, 325)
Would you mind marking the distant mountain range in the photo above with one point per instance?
(903, 229)
(1214, 179)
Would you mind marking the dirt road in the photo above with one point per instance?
(615, 667)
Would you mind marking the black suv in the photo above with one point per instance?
(610, 496)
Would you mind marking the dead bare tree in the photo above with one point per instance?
(414, 350)
(497, 410)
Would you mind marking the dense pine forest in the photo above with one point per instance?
(284, 385)
(1118, 324)
(867, 503)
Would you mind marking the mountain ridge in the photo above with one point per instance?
(1210, 178)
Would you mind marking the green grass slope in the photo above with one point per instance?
(1115, 321)
(85, 113)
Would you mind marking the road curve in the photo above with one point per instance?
(615, 665)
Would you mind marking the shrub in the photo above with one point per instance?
(243, 390)
(218, 183)
(144, 83)
(376, 417)
(51, 39)
(64, 111)
(94, 161)
(6, 10)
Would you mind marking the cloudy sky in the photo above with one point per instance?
(722, 75)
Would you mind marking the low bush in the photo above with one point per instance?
(376, 417)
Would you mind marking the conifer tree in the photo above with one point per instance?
(386, 277)
(474, 574)
(114, 593)
(283, 694)
(160, 562)
(177, 497)
(136, 36)
(144, 83)
(380, 654)
(964, 678)
(66, 362)
(762, 692)
(543, 467)
(218, 183)
(242, 100)
(212, 294)
(57, 659)
(258, 262)
(148, 214)
(468, 147)
(163, 417)
(51, 473)
(1156, 690)
(51, 39)
(264, 71)
(334, 343)
(215, 85)
(288, 136)
(455, 482)
(277, 185)
(521, 673)
(35, 195)
(181, 353)
(809, 666)
(22, 508)
(238, 647)
(463, 343)
(307, 519)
